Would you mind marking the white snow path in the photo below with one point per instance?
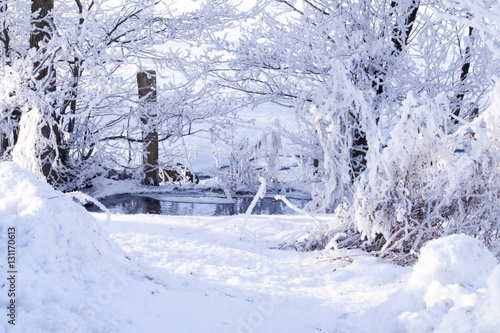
(213, 278)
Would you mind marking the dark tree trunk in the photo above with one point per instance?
(358, 152)
(464, 73)
(400, 38)
(45, 75)
(402, 33)
(68, 107)
(76, 70)
(41, 31)
(5, 37)
(8, 140)
(4, 144)
(146, 82)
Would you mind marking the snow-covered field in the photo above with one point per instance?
(80, 272)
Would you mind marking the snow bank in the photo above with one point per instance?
(67, 270)
(457, 285)
(454, 287)
(453, 260)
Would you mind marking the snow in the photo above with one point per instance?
(453, 288)
(82, 272)
(454, 278)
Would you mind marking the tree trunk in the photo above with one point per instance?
(41, 31)
(69, 104)
(400, 34)
(463, 77)
(42, 27)
(5, 37)
(146, 82)
(8, 140)
(4, 144)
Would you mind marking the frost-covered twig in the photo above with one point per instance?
(85, 198)
(295, 208)
(260, 195)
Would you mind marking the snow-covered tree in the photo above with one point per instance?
(427, 100)
(93, 50)
(438, 173)
(334, 62)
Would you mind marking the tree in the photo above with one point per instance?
(10, 114)
(432, 133)
(82, 84)
(5, 39)
(45, 82)
(293, 53)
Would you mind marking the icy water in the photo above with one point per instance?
(190, 206)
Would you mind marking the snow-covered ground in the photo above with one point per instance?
(81, 272)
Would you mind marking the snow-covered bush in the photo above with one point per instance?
(477, 175)
(248, 162)
(428, 182)
(339, 114)
(431, 179)
(399, 201)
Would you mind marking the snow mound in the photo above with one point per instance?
(453, 287)
(456, 283)
(67, 270)
(456, 259)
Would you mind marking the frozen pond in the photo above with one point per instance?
(201, 205)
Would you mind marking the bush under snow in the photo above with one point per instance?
(429, 181)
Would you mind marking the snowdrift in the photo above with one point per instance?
(67, 270)
(454, 287)
(457, 286)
